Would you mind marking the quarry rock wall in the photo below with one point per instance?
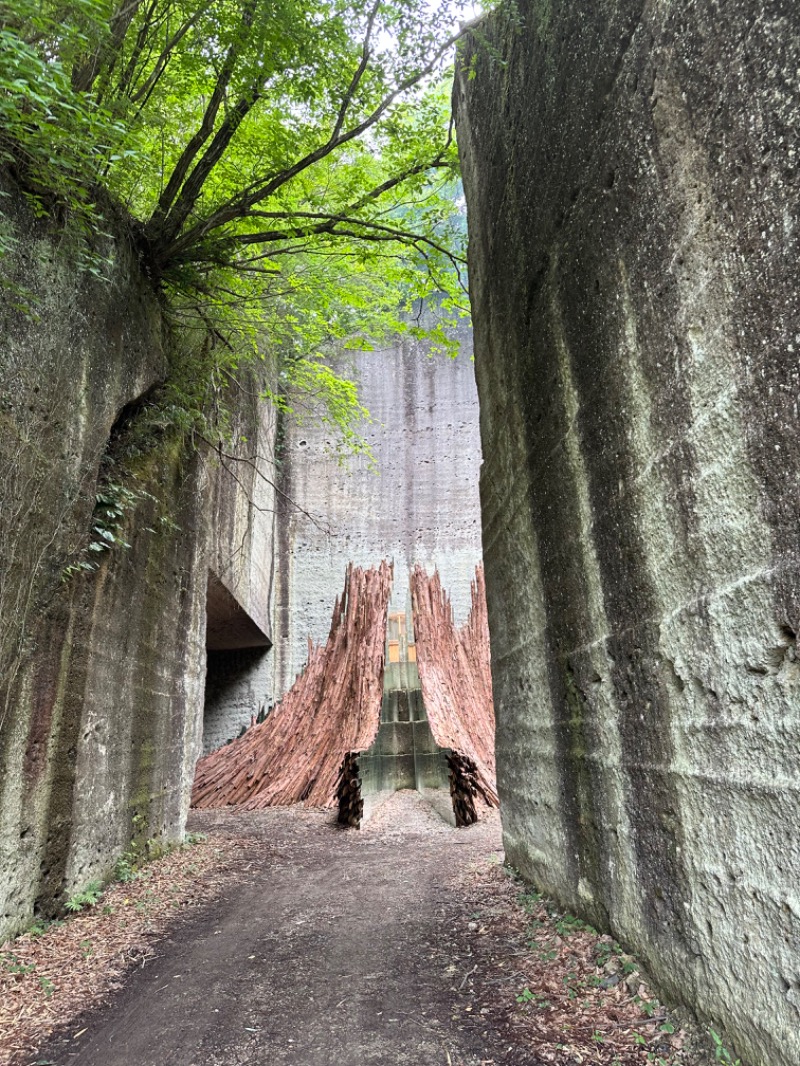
(102, 670)
(632, 184)
(418, 504)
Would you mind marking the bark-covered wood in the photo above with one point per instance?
(334, 707)
(464, 787)
(348, 792)
(455, 672)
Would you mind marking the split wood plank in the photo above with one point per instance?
(455, 673)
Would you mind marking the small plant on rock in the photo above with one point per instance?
(87, 898)
(126, 868)
(721, 1053)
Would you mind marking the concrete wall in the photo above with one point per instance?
(238, 685)
(102, 673)
(632, 184)
(243, 514)
(420, 505)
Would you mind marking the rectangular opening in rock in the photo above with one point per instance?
(237, 667)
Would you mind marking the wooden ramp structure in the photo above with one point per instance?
(296, 754)
(455, 673)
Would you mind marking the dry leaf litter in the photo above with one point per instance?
(543, 981)
(49, 977)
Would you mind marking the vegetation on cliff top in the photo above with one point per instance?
(288, 167)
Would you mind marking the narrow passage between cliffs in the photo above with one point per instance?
(405, 944)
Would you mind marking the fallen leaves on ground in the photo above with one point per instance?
(562, 988)
(57, 972)
(541, 986)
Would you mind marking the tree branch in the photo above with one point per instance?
(360, 71)
(251, 461)
(142, 94)
(329, 225)
(107, 52)
(240, 206)
(158, 223)
(193, 186)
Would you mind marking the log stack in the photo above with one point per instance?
(455, 673)
(333, 708)
(464, 787)
(348, 792)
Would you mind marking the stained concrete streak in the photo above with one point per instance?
(632, 190)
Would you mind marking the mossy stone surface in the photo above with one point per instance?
(632, 192)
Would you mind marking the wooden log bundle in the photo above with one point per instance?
(334, 707)
(348, 792)
(455, 673)
(464, 787)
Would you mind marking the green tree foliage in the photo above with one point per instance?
(58, 141)
(288, 167)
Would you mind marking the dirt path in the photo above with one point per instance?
(404, 944)
(333, 948)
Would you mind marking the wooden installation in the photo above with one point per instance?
(348, 793)
(455, 672)
(464, 787)
(296, 754)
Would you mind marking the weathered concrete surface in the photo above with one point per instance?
(632, 184)
(240, 522)
(238, 683)
(101, 674)
(421, 505)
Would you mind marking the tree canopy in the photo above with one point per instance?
(288, 167)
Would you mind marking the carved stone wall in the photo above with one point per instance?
(102, 671)
(632, 186)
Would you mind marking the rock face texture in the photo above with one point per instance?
(102, 671)
(420, 505)
(632, 183)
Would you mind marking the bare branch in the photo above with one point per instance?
(252, 461)
(138, 48)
